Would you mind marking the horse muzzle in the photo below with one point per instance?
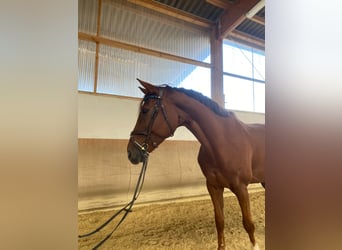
(134, 156)
(136, 153)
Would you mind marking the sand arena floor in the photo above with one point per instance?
(181, 225)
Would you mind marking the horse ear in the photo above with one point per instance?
(145, 91)
(149, 88)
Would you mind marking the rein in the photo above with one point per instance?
(126, 208)
(143, 148)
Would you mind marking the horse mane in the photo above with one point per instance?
(212, 105)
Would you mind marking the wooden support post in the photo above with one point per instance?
(217, 68)
(97, 45)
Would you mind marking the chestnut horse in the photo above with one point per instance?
(231, 155)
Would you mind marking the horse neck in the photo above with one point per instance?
(203, 123)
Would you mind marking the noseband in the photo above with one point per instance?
(158, 106)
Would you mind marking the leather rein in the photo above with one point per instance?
(143, 148)
(126, 209)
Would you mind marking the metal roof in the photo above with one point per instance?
(250, 31)
(200, 8)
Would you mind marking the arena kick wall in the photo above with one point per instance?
(106, 178)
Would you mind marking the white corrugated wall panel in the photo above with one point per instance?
(139, 26)
(118, 70)
(87, 16)
(86, 65)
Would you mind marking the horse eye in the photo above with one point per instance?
(144, 110)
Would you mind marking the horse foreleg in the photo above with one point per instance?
(243, 198)
(216, 194)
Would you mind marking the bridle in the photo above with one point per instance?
(143, 148)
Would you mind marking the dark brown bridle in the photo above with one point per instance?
(143, 148)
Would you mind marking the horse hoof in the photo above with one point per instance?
(255, 247)
(222, 247)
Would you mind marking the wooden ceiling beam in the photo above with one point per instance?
(220, 3)
(182, 15)
(235, 15)
(135, 48)
(258, 20)
(247, 38)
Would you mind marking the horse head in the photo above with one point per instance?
(155, 123)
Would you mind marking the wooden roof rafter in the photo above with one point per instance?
(233, 16)
(220, 3)
(235, 12)
(131, 47)
(258, 20)
(179, 14)
(253, 41)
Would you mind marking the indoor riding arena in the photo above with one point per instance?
(214, 47)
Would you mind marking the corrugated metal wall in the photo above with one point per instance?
(86, 65)
(152, 30)
(132, 24)
(87, 16)
(118, 68)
